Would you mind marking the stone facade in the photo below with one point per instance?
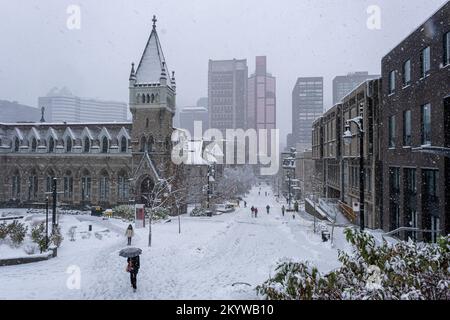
(98, 163)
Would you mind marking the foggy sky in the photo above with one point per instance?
(299, 37)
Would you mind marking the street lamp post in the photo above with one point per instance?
(46, 222)
(347, 140)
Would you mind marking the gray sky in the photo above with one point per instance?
(299, 37)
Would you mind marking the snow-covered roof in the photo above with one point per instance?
(151, 64)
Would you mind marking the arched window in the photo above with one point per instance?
(123, 145)
(143, 144)
(138, 97)
(85, 186)
(69, 144)
(104, 186)
(143, 98)
(15, 192)
(33, 145)
(151, 142)
(148, 98)
(87, 144)
(105, 145)
(49, 181)
(122, 186)
(152, 98)
(68, 185)
(157, 98)
(16, 144)
(32, 185)
(51, 145)
(146, 123)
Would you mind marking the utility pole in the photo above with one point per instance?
(54, 195)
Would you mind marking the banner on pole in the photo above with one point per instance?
(139, 216)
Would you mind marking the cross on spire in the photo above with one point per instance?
(154, 21)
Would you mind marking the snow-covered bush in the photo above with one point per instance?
(56, 238)
(4, 230)
(124, 212)
(30, 248)
(158, 214)
(38, 236)
(198, 212)
(17, 232)
(405, 270)
(235, 182)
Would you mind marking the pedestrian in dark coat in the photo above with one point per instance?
(129, 234)
(253, 211)
(283, 209)
(133, 269)
(256, 212)
(268, 209)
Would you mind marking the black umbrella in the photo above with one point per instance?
(130, 252)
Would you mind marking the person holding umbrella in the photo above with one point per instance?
(132, 255)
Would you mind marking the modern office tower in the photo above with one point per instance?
(261, 108)
(343, 85)
(307, 106)
(63, 106)
(227, 93)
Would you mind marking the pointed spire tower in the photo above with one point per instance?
(152, 104)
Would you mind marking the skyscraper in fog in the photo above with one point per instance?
(307, 105)
(227, 93)
(343, 85)
(261, 108)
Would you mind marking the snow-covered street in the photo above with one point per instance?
(223, 257)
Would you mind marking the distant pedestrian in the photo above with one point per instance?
(268, 209)
(283, 208)
(129, 234)
(256, 212)
(296, 206)
(133, 269)
(245, 204)
(253, 211)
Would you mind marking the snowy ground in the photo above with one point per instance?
(203, 262)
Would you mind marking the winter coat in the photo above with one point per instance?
(129, 233)
(134, 263)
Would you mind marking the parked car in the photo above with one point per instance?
(224, 208)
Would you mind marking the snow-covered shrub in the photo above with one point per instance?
(158, 214)
(17, 232)
(4, 230)
(124, 212)
(38, 236)
(198, 212)
(30, 248)
(405, 270)
(56, 238)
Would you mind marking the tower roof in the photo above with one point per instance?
(151, 64)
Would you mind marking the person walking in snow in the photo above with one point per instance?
(133, 269)
(268, 209)
(253, 211)
(256, 212)
(283, 208)
(245, 204)
(129, 234)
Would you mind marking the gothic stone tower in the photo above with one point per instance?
(152, 104)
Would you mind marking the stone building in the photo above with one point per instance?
(98, 163)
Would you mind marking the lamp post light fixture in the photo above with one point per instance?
(347, 137)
